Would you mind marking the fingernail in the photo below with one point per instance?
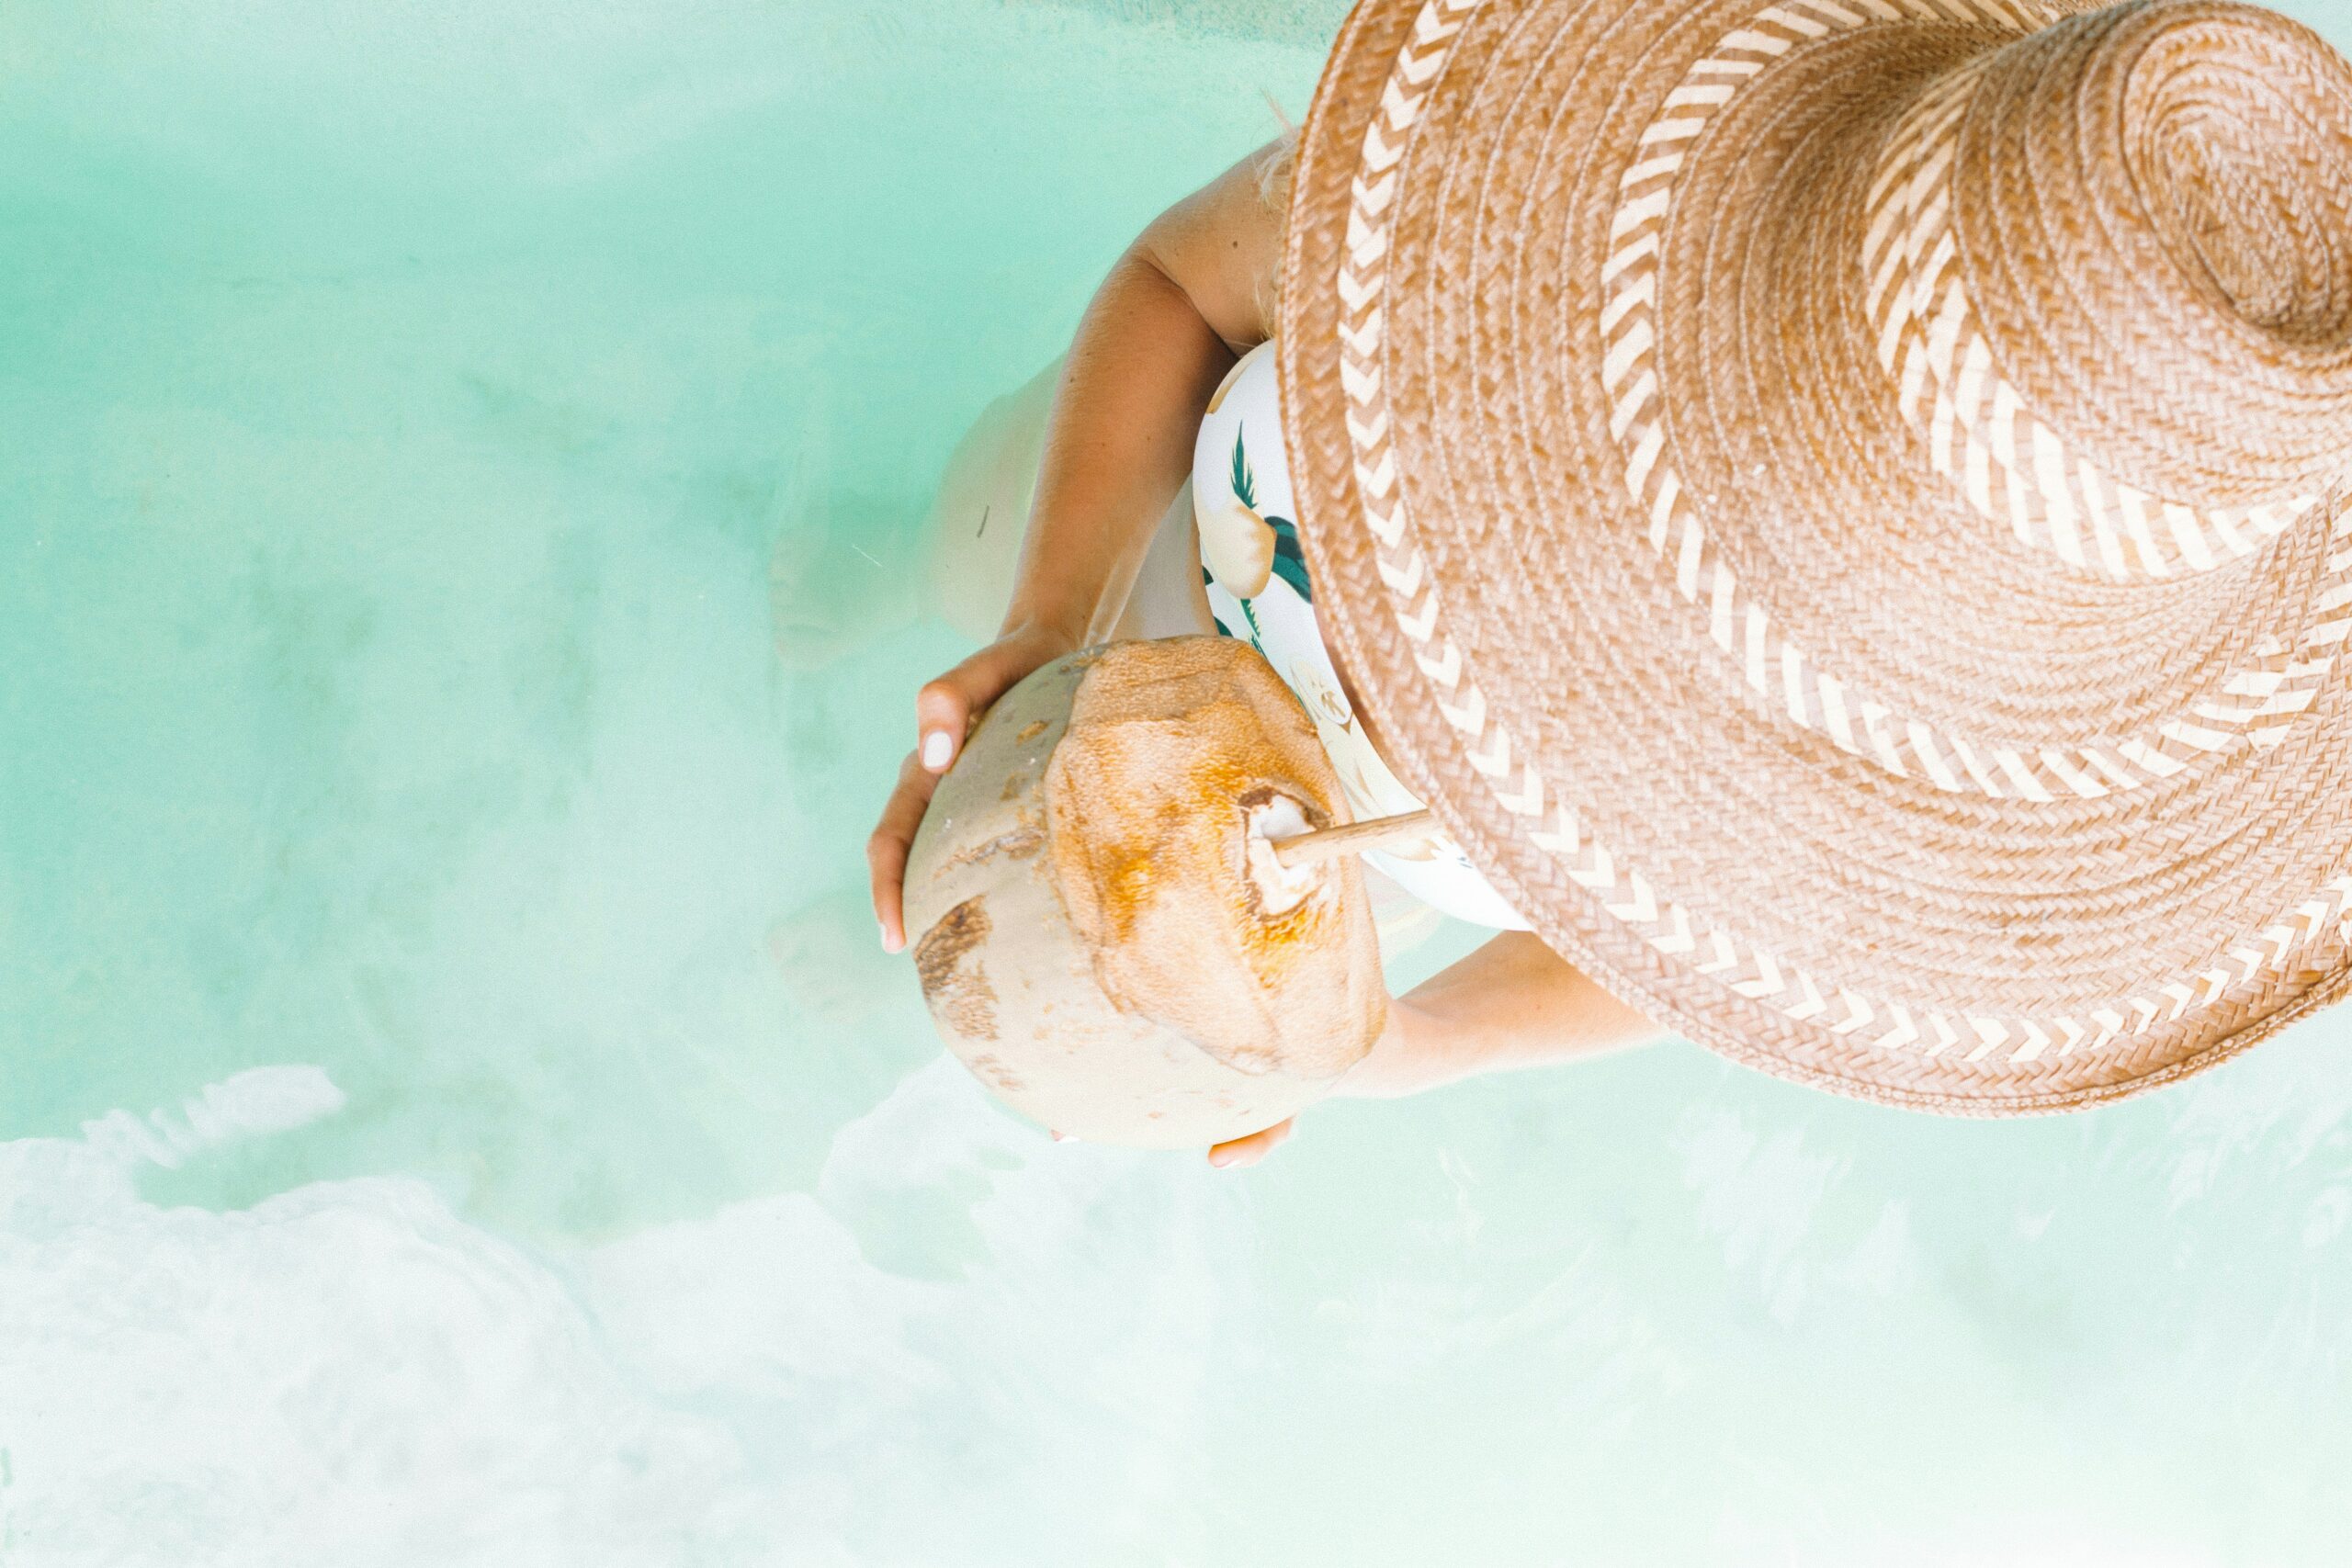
(1064, 1138)
(938, 747)
(887, 945)
(1220, 1157)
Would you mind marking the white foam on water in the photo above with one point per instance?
(251, 1104)
(968, 1347)
(349, 1372)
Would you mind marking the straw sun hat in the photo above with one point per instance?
(1836, 505)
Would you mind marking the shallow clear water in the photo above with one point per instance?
(458, 509)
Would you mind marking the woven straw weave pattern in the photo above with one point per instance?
(1939, 1025)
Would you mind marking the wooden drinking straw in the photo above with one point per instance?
(1313, 848)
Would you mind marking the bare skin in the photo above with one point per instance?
(1179, 306)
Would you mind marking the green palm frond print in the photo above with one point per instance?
(1245, 483)
(1290, 563)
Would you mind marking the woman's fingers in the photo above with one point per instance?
(886, 850)
(1254, 1148)
(944, 708)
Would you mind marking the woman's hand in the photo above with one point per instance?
(1513, 1003)
(945, 711)
(1254, 1148)
(1395, 1065)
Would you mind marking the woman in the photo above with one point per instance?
(1106, 555)
(1866, 570)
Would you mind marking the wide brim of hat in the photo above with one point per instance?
(1597, 713)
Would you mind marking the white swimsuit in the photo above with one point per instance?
(1256, 578)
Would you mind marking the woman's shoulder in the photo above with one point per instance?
(1222, 243)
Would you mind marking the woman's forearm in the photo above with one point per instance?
(1514, 1003)
(1118, 445)
(1186, 297)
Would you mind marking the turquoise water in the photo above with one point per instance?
(460, 510)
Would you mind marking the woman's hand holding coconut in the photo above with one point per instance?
(1118, 447)
(946, 709)
(1164, 327)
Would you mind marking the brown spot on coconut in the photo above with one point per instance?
(1156, 976)
(952, 980)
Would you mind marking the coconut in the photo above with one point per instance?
(1103, 929)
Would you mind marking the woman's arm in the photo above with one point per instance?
(1513, 1003)
(1180, 305)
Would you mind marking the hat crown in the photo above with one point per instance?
(2152, 211)
(2245, 193)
